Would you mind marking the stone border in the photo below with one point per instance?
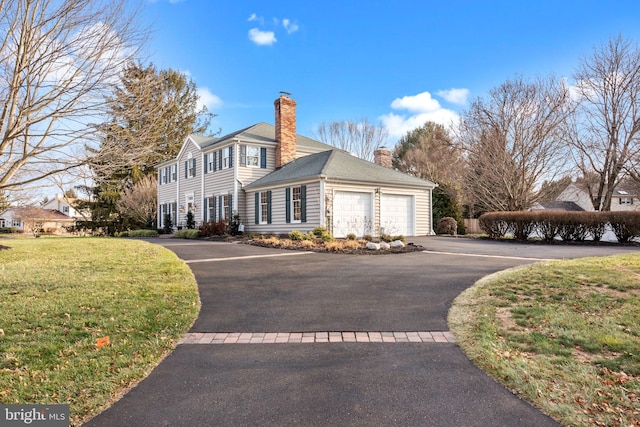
(316, 337)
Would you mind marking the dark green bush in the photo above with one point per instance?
(351, 236)
(191, 222)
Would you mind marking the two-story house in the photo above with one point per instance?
(278, 181)
(621, 200)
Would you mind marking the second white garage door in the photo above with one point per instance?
(352, 213)
(397, 215)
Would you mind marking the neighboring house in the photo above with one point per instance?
(621, 200)
(27, 218)
(557, 206)
(278, 181)
(66, 205)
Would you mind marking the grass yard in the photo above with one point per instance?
(564, 335)
(58, 296)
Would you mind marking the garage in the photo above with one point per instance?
(352, 213)
(397, 214)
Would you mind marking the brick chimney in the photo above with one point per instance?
(285, 129)
(382, 157)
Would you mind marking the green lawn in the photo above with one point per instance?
(564, 335)
(59, 295)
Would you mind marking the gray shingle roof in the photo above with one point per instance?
(339, 165)
(263, 132)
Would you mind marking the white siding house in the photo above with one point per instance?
(278, 181)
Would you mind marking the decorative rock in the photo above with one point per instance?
(384, 245)
(373, 246)
(397, 244)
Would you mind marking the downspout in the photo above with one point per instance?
(201, 201)
(236, 166)
(431, 211)
(323, 207)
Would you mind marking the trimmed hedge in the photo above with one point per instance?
(568, 226)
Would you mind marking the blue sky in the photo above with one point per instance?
(397, 63)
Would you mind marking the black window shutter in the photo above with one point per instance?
(243, 155)
(287, 204)
(220, 159)
(263, 158)
(231, 157)
(194, 167)
(205, 163)
(186, 169)
(303, 203)
(204, 210)
(257, 208)
(269, 207)
(214, 208)
(230, 217)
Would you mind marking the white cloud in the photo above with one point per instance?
(454, 96)
(291, 27)
(422, 108)
(208, 99)
(256, 18)
(421, 102)
(262, 38)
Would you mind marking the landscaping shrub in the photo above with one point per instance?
(214, 228)
(296, 235)
(495, 224)
(143, 233)
(596, 224)
(351, 236)
(188, 233)
(625, 225)
(367, 237)
(191, 222)
(167, 228)
(447, 225)
(7, 230)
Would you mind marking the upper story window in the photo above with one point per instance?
(253, 156)
(626, 200)
(226, 158)
(190, 168)
(174, 173)
(65, 210)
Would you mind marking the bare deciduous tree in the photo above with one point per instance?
(513, 142)
(139, 203)
(358, 138)
(58, 60)
(606, 128)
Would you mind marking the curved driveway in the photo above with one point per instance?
(251, 292)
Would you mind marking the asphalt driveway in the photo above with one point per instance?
(246, 289)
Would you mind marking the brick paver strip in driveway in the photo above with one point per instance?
(315, 337)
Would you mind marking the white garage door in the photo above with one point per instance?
(397, 215)
(352, 213)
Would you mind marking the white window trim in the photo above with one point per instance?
(257, 157)
(293, 205)
(263, 211)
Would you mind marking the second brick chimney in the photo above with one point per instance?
(382, 157)
(285, 130)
